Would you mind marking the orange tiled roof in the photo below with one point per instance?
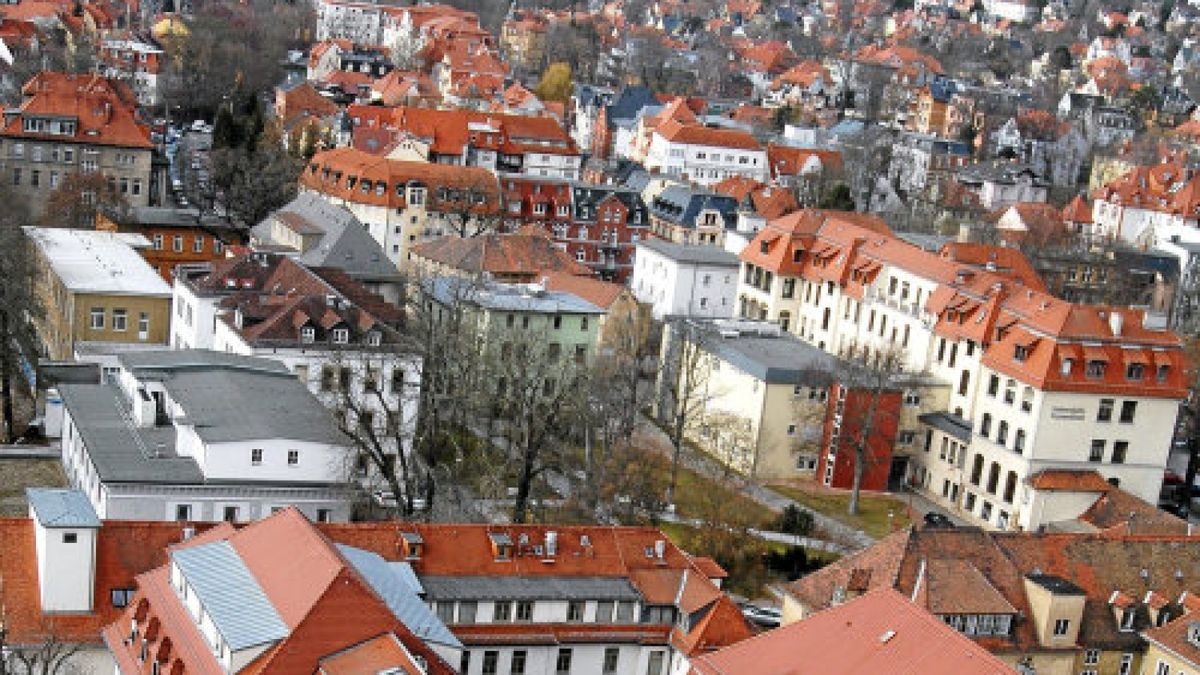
(1078, 211)
(1069, 480)
(104, 110)
(363, 178)
(501, 255)
(596, 291)
(769, 201)
(849, 639)
(984, 307)
(695, 134)
(449, 131)
(788, 161)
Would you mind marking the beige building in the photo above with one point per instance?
(70, 123)
(763, 396)
(95, 287)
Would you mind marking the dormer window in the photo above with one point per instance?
(1193, 633)
(1134, 371)
(413, 545)
(501, 546)
(374, 339)
(763, 247)
(1163, 373)
(308, 335)
(1067, 364)
(1127, 617)
(1095, 369)
(1020, 353)
(341, 336)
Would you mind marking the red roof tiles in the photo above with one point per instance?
(103, 110)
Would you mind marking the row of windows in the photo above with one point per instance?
(126, 186)
(120, 320)
(521, 611)
(519, 659)
(177, 242)
(256, 457)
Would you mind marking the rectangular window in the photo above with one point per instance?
(1091, 657)
(445, 612)
(1128, 410)
(1120, 448)
(1097, 452)
(120, 320)
(517, 665)
(502, 610)
(491, 662)
(604, 611)
(993, 385)
(70, 537)
(230, 514)
(524, 610)
(198, 244)
(293, 457)
(1061, 626)
(575, 610)
(654, 666)
(256, 456)
(97, 318)
(562, 664)
(183, 512)
(612, 659)
(1104, 414)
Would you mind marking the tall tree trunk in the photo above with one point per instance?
(525, 482)
(6, 375)
(861, 446)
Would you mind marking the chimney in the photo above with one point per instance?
(1116, 322)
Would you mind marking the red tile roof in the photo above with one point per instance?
(363, 178)
(788, 161)
(502, 255)
(696, 134)
(984, 307)
(1069, 480)
(596, 291)
(104, 110)
(880, 632)
(450, 131)
(1005, 261)
(377, 655)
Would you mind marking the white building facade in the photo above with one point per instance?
(685, 280)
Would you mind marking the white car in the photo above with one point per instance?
(767, 617)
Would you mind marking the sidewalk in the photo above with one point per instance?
(650, 437)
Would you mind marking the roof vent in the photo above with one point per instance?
(887, 637)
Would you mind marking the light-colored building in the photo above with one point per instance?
(69, 123)
(705, 155)
(685, 280)
(200, 435)
(1036, 382)
(402, 202)
(96, 287)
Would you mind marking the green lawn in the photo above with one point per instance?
(696, 496)
(873, 509)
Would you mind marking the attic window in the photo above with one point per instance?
(1095, 369)
(763, 247)
(1127, 617)
(341, 336)
(1020, 353)
(1067, 364)
(1163, 372)
(1193, 633)
(374, 339)
(308, 335)
(1134, 371)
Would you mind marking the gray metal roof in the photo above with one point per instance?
(230, 594)
(690, 253)
(509, 297)
(345, 243)
(397, 591)
(948, 423)
(121, 452)
(55, 507)
(529, 588)
(234, 398)
(775, 360)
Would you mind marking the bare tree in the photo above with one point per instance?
(20, 306)
(49, 655)
(683, 393)
(867, 380)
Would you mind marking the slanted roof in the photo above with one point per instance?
(393, 583)
(230, 595)
(880, 632)
(61, 508)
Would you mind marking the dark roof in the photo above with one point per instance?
(949, 423)
(629, 102)
(1056, 585)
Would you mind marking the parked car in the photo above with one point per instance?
(935, 519)
(767, 617)
(386, 499)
